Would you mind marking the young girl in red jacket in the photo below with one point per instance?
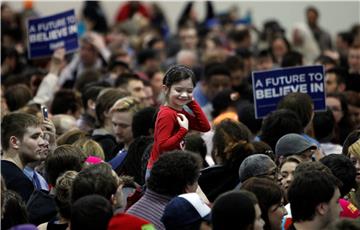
(178, 115)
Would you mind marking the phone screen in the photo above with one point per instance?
(44, 111)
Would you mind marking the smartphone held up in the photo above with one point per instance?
(44, 112)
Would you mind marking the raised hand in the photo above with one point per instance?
(97, 40)
(50, 132)
(57, 61)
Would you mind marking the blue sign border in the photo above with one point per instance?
(265, 106)
(43, 49)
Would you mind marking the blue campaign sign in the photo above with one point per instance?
(49, 33)
(270, 86)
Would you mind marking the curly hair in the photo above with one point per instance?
(228, 136)
(63, 192)
(173, 172)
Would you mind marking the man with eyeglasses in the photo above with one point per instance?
(257, 165)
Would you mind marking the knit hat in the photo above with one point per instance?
(129, 222)
(254, 165)
(184, 210)
(93, 160)
(292, 144)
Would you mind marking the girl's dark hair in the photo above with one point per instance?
(132, 162)
(228, 136)
(231, 205)
(15, 212)
(344, 126)
(178, 73)
(268, 194)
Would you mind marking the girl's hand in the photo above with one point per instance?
(183, 121)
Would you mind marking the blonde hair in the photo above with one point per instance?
(354, 149)
(126, 104)
(90, 147)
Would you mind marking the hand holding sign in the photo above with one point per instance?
(57, 61)
(97, 40)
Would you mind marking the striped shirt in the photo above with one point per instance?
(151, 208)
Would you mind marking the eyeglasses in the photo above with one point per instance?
(308, 155)
(271, 174)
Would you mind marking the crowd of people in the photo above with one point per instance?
(152, 130)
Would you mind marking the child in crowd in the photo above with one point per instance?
(179, 114)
